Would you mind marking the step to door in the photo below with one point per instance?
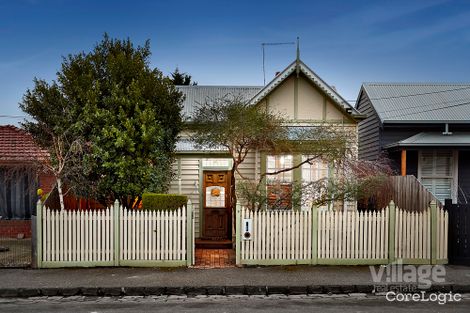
(213, 244)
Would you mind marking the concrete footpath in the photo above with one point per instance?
(190, 281)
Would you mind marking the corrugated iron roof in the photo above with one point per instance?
(434, 139)
(18, 146)
(420, 102)
(195, 95)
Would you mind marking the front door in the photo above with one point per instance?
(217, 206)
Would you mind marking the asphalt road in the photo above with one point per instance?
(238, 304)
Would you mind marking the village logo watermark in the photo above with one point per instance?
(406, 283)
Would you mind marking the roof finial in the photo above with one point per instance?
(298, 49)
(297, 59)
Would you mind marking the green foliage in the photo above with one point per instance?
(179, 78)
(162, 202)
(127, 114)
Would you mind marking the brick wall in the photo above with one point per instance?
(46, 182)
(11, 228)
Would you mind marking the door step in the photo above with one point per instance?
(213, 244)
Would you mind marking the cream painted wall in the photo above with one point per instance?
(281, 99)
(310, 102)
(332, 112)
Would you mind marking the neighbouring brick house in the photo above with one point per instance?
(20, 178)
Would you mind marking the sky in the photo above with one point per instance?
(219, 42)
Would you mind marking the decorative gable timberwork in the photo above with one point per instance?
(301, 95)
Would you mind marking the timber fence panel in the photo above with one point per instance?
(114, 236)
(352, 237)
(348, 237)
(154, 238)
(76, 238)
(278, 237)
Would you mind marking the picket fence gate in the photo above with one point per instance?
(347, 237)
(114, 236)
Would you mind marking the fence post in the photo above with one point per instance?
(189, 233)
(391, 231)
(39, 234)
(433, 207)
(238, 215)
(116, 225)
(314, 211)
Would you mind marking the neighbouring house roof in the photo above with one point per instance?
(419, 102)
(195, 95)
(434, 139)
(315, 79)
(18, 146)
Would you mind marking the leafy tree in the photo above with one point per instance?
(53, 129)
(179, 78)
(127, 113)
(241, 128)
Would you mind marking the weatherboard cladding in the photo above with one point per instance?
(420, 102)
(368, 130)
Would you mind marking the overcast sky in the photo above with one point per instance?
(219, 42)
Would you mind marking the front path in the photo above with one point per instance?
(214, 258)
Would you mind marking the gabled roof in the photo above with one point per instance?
(434, 139)
(18, 146)
(419, 102)
(195, 95)
(315, 79)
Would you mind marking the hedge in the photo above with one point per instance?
(163, 202)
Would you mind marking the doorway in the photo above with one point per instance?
(217, 207)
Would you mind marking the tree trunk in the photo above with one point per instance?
(234, 201)
(61, 195)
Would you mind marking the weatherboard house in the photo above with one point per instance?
(424, 128)
(300, 95)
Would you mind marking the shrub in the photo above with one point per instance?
(162, 202)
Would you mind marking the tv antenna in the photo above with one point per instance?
(264, 44)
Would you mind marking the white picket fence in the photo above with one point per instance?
(115, 236)
(278, 235)
(353, 235)
(413, 234)
(153, 235)
(347, 237)
(77, 236)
